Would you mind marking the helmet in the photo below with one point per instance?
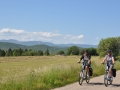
(86, 51)
(109, 51)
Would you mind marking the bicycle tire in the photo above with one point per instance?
(87, 78)
(80, 78)
(105, 80)
(110, 82)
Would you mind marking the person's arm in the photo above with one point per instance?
(82, 57)
(89, 60)
(104, 60)
(113, 61)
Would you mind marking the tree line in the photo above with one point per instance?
(21, 52)
(74, 50)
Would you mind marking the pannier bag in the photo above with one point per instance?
(90, 71)
(114, 72)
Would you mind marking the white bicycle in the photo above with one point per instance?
(83, 75)
(107, 77)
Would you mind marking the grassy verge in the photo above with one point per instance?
(45, 75)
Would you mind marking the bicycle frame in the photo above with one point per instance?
(107, 77)
(83, 75)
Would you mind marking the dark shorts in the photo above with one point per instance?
(85, 64)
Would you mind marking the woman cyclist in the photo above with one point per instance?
(86, 61)
(110, 62)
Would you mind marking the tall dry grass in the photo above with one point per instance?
(43, 73)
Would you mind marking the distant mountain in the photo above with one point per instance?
(27, 43)
(32, 43)
(52, 49)
(55, 49)
(7, 45)
(79, 45)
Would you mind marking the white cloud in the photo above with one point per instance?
(80, 36)
(14, 31)
(97, 38)
(49, 34)
(53, 37)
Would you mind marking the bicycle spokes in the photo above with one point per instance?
(81, 77)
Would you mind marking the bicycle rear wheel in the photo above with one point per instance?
(80, 78)
(110, 82)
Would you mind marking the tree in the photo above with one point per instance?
(15, 52)
(108, 43)
(31, 53)
(61, 52)
(118, 41)
(47, 52)
(74, 50)
(9, 52)
(26, 50)
(40, 53)
(20, 52)
(82, 51)
(2, 53)
(93, 51)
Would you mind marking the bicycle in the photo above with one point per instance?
(83, 75)
(107, 77)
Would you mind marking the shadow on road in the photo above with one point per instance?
(98, 83)
(116, 85)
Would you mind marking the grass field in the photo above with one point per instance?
(42, 72)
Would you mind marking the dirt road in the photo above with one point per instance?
(96, 83)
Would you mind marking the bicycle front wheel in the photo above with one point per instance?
(80, 78)
(105, 80)
(87, 78)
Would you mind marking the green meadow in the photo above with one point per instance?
(43, 72)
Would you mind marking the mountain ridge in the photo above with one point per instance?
(32, 43)
(6, 45)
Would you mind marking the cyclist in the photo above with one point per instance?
(86, 61)
(110, 62)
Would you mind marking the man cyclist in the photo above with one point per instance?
(86, 61)
(110, 62)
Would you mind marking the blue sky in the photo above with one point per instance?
(59, 21)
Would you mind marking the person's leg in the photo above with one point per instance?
(110, 70)
(107, 67)
(87, 69)
(83, 67)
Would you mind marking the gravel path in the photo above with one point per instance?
(96, 83)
